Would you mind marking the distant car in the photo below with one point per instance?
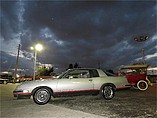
(3, 81)
(78, 81)
(136, 75)
(5, 78)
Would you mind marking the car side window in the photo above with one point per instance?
(78, 74)
(84, 74)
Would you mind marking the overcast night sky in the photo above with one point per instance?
(84, 32)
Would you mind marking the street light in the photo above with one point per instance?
(37, 47)
(141, 39)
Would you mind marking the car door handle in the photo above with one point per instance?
(90, 80)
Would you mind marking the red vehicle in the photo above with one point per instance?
(136, 75)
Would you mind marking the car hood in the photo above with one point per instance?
(42, 81)
(39, 81)
(36, 83)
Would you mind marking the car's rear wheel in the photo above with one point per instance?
(142, 85)
(42, 96)
(107, 92)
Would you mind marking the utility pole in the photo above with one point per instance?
(17, 60)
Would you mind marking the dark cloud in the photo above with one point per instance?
(85, 32)
(8, 62)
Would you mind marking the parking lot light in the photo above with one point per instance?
(37, 47)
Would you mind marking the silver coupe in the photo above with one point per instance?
(78, 81)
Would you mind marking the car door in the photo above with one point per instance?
(77, 81)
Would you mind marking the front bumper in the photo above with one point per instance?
(21, 94)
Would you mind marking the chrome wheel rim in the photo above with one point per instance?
(108, 92)
(42, 95)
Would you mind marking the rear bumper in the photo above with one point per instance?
(21, 94)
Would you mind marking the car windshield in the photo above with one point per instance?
(61, 75)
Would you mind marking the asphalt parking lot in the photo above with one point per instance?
(126, 103)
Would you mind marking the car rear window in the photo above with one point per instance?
(94, 73)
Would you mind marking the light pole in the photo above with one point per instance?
(37, 47)
(141, 39)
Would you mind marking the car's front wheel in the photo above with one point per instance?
(42, 96)
(107, 92)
